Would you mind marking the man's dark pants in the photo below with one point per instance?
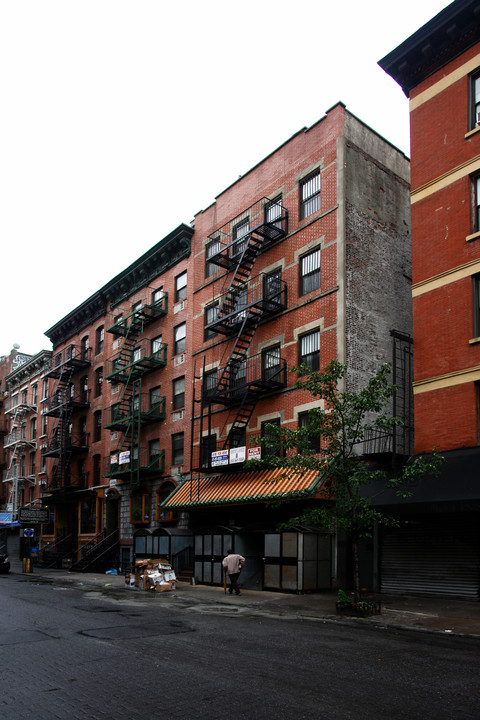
(234, 583)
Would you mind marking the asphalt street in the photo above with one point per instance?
(71, 651)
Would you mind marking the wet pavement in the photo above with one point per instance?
(428, 614)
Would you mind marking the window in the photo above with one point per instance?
(273, 212)
(97, 426)
(474, 100)
(268, 434)
(240, 236)
(84, 388)
(44, 424)
(96, 468)
(179, 393)
(83, 430)
(98, 381)
(136, 354)
(476, 204)
(162, 494)
(158, 295)
(140, 508)
(211, 314)
(238, 437)
(238, 376)
(211, 249)
(32, 463)
(99, 338)
(272, 287)
(179, 335)
(84, 345)
(208, 445)
(118, 319)
(310, 195)
(88, 516)
(310, 272)
(157, 345)
(181, 287)
(271, 363)
(476, 305)
(24, 397)
(209, 384)
(314, 439)
(155, 397)
(34, 394)
(177, 449)
(153, 450)
(240, 301)
(33, 429)
(45, 389)
(137, 306)
(309, 350)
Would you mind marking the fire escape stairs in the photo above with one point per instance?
(247, 328)
(58, 446)
(131, 389)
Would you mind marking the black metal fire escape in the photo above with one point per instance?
(62, 443)
(245, 302)
(133, 410)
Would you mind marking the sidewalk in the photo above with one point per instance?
(441, 615)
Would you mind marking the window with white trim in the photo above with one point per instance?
(309, 350)
(474, 115)
(212, 248)
(309, 194)
(181, 287)
(179, 336)
(310, 272)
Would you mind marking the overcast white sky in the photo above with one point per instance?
(120, 120)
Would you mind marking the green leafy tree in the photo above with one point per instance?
(342, 422)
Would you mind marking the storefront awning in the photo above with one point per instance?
(244, 487)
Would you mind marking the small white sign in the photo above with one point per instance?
(124, 457)
(237, 455)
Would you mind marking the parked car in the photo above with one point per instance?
(4, 564)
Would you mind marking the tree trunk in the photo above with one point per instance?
(356, 570)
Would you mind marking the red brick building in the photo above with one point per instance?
(439, 70)
(305, 258)
(24, 431)
(160, 382)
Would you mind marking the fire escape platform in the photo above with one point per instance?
(121, 465)
(120, 418)
(145, 315)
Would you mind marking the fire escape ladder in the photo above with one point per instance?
(240, 423)
(241, 274)
(129, 406)
(59, 444)
(238, 355)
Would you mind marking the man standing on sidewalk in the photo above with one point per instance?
(232, 565)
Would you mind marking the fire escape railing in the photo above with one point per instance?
(261, 296)
(244, 302)
(62, 442)
(253, 375)
(133, 410)
(122, 463)
(120, 415)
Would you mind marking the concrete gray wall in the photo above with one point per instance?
(377, 250)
